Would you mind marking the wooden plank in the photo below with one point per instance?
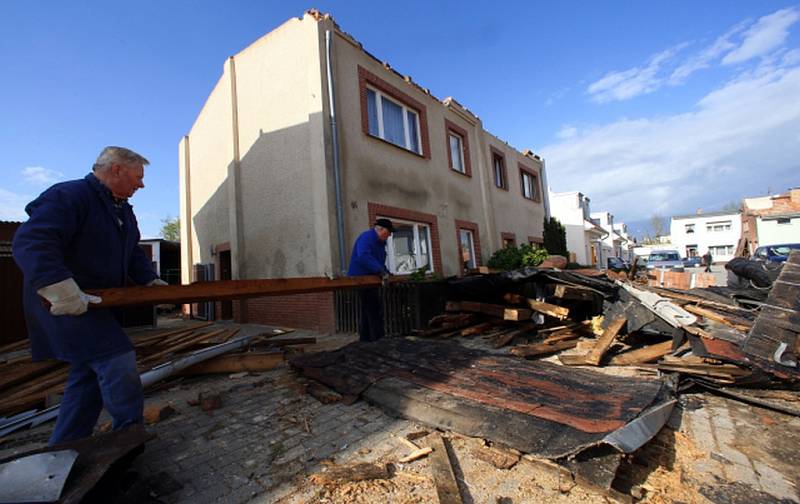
(517, 314)
(187, 342)
(717, 317)
(19, 374)
(605, 341)
(416, 454)
(442, 471)
(537, 349)
(575, 292)
(477, 329)
(236, 363)
(559, 312)
(228, 289)
(646, 354)
(572, 359)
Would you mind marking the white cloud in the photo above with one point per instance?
(38, 175)
(738, 140)
(12, 206)
(767, 34)
(704, 58)
(633, 82)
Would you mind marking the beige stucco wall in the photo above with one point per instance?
(513, 213)
(379, 172)
(210, 155)
(266, 143)
(285, 225)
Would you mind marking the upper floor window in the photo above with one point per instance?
(689, 228)
(530, 184)
(716, 227)
(499, 170)
(457, 148)
(456, 152)
(784, 220)
(393, 121)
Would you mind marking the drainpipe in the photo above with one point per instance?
(337, 176)
(546, 195)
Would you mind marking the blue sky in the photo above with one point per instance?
(647, 107)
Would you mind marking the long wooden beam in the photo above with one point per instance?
(227, 289)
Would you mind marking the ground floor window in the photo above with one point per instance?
(721, 250)
(467, 244)
(409, 248)
(691, 250)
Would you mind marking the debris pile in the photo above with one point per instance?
(29, 387)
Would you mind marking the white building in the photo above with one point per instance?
(717, 232)
(628, 242)
(612, 244)
(583, 235)
(772, 220)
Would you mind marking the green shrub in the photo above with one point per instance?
(533, 256)
(513, 257)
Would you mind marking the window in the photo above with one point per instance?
(499, 170)
(689, 228)
(529, 183)
(509, 239)
(691, 250)
(784, 220)
(467, 246)
(456, 152)
(409, 248)
(457, 148)
(392, 121)
(716, 227)
(721, 250)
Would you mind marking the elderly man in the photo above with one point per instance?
(82, 234)
(369, 258)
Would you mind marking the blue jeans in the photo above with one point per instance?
(112, 382)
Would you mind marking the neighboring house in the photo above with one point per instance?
(270, 182)
(584, 237)
(612, 244)
(627, 242)
(717, 232)
(771, 220)
(165, 256)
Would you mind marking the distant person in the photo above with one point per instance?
(369, 258)
(82, 234)
(707, 259)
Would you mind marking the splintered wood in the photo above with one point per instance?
(26, 385)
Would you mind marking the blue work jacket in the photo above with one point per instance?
(369, 255)
(75, 231)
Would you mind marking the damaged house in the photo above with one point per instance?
(306, 139)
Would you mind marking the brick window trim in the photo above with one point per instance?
(537, 190)
(376, 209)
(504, 235)
(476, 240)
(451, 127)
(497, 152)
(366, 77)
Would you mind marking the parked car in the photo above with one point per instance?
(616, 264)
(665, 259)
(775, 253)
(692, 262)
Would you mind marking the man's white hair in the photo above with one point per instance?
(118, 155)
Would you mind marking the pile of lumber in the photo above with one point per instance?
(590, 318)
(26, 385)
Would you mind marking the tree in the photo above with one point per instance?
(171, 228)
(659, 225)
(555, 237)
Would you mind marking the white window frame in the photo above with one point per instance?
(462, 167)
(391, 263)
(718, 226)
(529, 176)
(379, 97)
(689, 228)
(471, 247)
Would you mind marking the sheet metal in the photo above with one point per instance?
(36, 478)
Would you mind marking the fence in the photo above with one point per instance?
(406, 307)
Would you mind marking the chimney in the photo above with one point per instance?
(699, 211)
(794, 196)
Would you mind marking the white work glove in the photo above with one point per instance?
(66, 298)
(156, 282)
